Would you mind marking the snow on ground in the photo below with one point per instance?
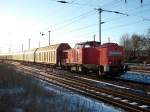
(10, 91)
(78, 102)
(109, 85)
(136, 76)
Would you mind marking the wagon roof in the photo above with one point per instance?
(51, 47)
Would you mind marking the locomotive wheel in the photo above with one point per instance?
(101, 72)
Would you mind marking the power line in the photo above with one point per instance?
(131, 14)
(75, 3)
(114, 27)
(71, 19)
(141, 1)
(83, 4)
(124, 25)
(100, 10)
(110, 3)
(70, 22)
(108, 11)
(114, 5)
(81, 28)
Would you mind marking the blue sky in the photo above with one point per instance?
(74, 22)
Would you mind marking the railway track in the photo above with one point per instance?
(143, 69)
(127, 101)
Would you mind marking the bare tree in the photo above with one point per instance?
(147, 42)
(136, 41)
(125, 41)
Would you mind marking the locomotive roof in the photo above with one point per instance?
(90, 43)
(108, 44)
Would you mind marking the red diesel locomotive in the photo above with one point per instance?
(105, 60)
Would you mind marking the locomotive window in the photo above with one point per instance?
(78, 46)
(87, 46)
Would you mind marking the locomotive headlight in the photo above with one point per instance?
(110, 62)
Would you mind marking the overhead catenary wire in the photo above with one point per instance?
(124, 25)
(129, 15)
(110, 28)
(79, 29)
(141, 1)
(71, 19)
(109, 21)
(118, 26)
(85, 27)
(70, 22)
(111, 3)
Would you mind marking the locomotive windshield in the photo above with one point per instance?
(87, 44)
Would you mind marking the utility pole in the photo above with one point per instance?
(94, 36)
(22, 47)
(49, 37)
(9, 49)
(100, 10)
(39, 43)
(108, 39)
(29, 42)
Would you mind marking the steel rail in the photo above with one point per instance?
(84, 88)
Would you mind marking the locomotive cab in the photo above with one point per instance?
(111, 59)
(83, 57)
